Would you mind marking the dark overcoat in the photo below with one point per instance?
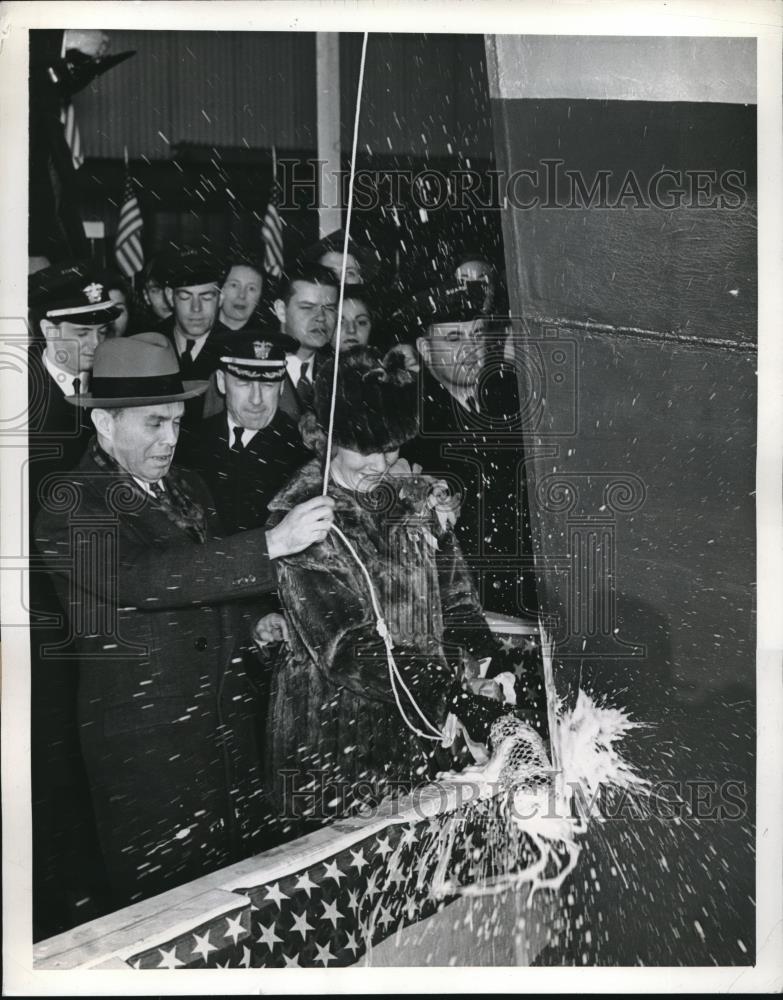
(166, 712)
(243, 482)
(482, 456)
(336, 737)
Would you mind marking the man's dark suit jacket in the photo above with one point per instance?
(291, 401)
(482, 456)
(243, 482)
(167, 716)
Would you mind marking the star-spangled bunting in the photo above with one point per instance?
(331, 913)
(322, 917)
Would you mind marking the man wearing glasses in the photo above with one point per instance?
(471, 435)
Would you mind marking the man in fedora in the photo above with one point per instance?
(155, 592)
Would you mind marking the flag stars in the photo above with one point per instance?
(333, 871)
(372, 887)
(291, 962)
(396, 876)
(235, 928)
(353, 900)
(305, 882)
(352, 944)
(203, 945)
(359, 860)
(168, 959)
(383, 847)
(332, 913)
(324, 954)
(301, 925)
(408, 835)
(385, 916)
(274, 893)
(268, 936)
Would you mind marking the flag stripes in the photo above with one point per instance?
(127, 244)
(272, 232)
(72, 136)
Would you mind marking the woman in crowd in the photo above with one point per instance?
(357, 318)
(337, 736)
(120, 293)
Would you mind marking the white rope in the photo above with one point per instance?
(383, 631)
(382, 628)
(342, 270)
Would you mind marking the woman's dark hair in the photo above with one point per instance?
(360, 293)
(114, 281)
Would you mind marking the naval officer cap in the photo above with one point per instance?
(256, 354)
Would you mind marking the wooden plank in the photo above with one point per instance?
(135, 927)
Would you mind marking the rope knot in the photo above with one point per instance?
(383, 631)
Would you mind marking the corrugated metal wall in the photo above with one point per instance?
(426, 105)
(425, 95)
(249, 89)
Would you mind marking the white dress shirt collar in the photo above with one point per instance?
(247, 434)
(293, 364)
(183, 341)
(147, 487)
(64, 379)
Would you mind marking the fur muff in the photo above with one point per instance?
(376, 409)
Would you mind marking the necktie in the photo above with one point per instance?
(157, 490)
(77, 386)
(237, 445)
(187, 354)
(304, 387)
(471, 404)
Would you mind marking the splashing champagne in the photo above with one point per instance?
(539, 818)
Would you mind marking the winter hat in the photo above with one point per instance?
(376, 409)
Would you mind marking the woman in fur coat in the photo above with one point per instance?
(336, 736)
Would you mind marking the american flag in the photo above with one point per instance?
(272, 231)
(331, 912)
(72, 137)
(127, 245)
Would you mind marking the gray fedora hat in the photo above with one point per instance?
(136, 371)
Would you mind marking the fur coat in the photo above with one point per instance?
(335, 734)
